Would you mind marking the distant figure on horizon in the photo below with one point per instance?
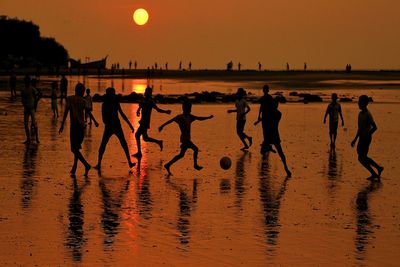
(276, 116)
(366, 128)
(135, 64)
(145, 108)
(184, 121)
(156, 65)
(63, 87)
(242, 108)
(239, 66)
(12, 82)
(287, 66)
(305, 66)
(76, 105)
(109, 111)
(190, 65)
(334, 109)
(130, 64)
(259, 66)
(28, 96)
(264, 116)
(348, 68)
(89, 106)
(180, 65)
(166, 66)
(54, 105)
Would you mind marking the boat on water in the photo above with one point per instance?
(98, 64)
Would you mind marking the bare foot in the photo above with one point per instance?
(250, 141)
(137, 155)
(380, 170)
(132, 164)
(87, 169)
(244, 148)
(97, 167)
(198, 167)
(167, 167)
(288, 173)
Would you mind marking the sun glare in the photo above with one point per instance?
(140, 16)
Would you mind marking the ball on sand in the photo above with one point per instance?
(225, 163)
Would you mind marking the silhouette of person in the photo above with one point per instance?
(184, 122)
(190, 65)
(259, 66)
(135, 64)
(76, 106)
(109, 111)
(89, 106)
(54, 105)
(13, 85)
(366, 128)
(305, 66)
(239, 66)
(63, 87)
(287, 67)
(264, 117)
(242, 108)
(166, 66)
(276, 116)
(28, 96)
(130, 64)
(145, 108)
(334, 109)
(180, 65)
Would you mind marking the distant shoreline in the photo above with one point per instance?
(296, 79)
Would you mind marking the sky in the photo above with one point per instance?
(327, 34)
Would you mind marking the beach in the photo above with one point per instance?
(326, 214)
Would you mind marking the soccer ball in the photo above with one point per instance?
(225, 163)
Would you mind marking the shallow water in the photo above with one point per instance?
(326, 214)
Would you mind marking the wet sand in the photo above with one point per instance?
(327, 214)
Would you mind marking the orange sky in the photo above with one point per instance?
(325, 34)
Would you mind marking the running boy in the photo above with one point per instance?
(184, 121)
(333, 110)
(76, 105)
(145, 107)
(366, 127)
(276, 116)
(242, 108)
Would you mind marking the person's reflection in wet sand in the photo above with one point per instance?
(271, 205)
(145, 203)
(186, 204)
(75, 239)
(29, 166)
(239, 179)
(334, 171)
(365, 227)
(112, 207)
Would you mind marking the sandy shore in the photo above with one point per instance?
(327, 214)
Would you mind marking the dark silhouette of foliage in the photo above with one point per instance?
(22, 46)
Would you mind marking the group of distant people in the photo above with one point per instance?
(80, 107)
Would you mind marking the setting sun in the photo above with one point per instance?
(140, 16)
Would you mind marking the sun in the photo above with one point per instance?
(140, 16)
